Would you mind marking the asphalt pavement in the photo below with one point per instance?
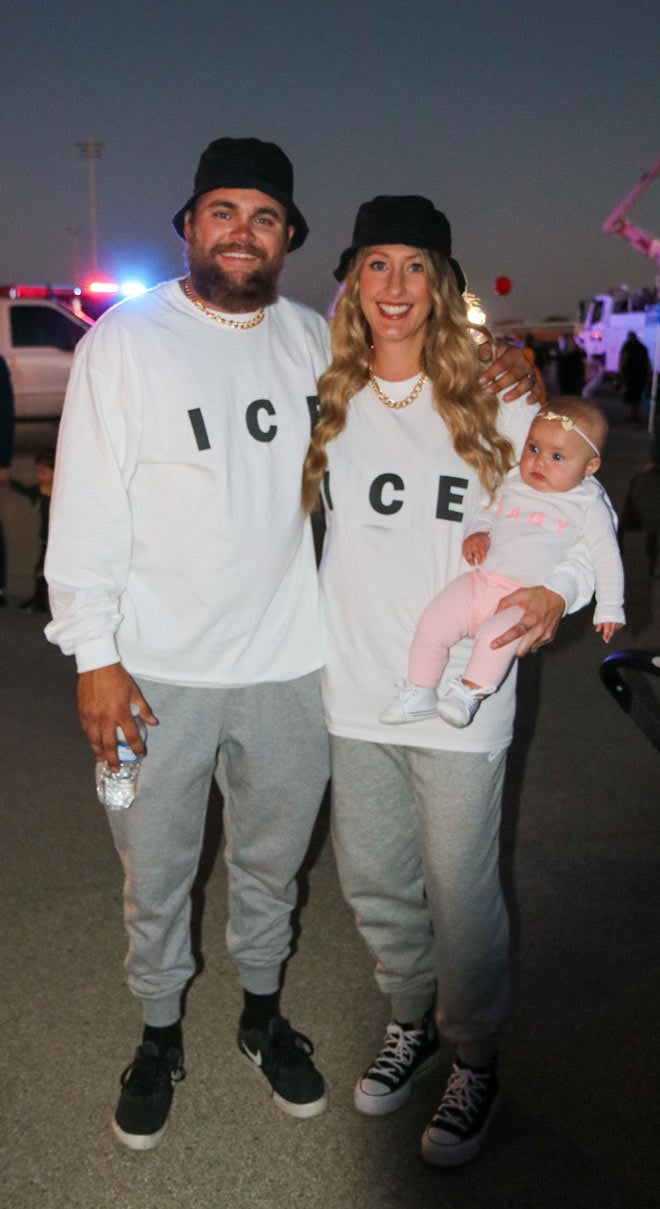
(579, 1122)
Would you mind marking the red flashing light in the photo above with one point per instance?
(101, 287)
(29, 291)
(66, 292)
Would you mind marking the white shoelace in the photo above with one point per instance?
(464, 1095)
(399, 1050)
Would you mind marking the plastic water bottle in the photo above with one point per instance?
(116, 790)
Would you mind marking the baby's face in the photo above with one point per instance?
(555, 460)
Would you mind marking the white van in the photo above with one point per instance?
(39, 330)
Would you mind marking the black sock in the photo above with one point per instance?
(259, 1010)
(170, 1037)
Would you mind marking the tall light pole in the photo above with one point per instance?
(74, 232)
(90, 150)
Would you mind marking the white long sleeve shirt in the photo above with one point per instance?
(531, 532)
(398, 502)
(177, 542)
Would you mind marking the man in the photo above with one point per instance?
(182, 576)
(183, 579)
(571, 367)
(634, 368)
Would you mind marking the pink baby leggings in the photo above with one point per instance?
(465, 609)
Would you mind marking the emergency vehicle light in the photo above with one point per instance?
(131, 289)
(67, 292)
(102, 287)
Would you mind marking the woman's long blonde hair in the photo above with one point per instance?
(451, 360)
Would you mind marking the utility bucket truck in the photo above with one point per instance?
(609, 319)
(611, 315)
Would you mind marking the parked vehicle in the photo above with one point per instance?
(608, 320)
(40, 327)
(611, 316)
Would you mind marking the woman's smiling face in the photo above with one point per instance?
(395, 296)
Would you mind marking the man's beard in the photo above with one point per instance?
(227, 293)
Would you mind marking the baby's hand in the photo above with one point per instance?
(608, 629)
(475, 548)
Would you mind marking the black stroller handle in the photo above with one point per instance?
(643, 706)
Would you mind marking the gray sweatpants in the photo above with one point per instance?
(267, 747)
(416, 837)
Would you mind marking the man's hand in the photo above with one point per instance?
(475, 548)
(510, 369)
(608, 629)
(105, 696)
(543, 612)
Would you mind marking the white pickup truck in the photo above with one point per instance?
(39, 329)
(608, 319)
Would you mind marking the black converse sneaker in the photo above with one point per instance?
(459, 1127)
(147, 1087)
(284, 1057)
(406, 1054)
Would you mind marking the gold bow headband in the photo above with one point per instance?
(569, 425)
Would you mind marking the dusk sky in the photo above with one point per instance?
(526, 123)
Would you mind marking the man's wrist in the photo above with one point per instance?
(96, 653)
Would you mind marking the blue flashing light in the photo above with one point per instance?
(132, 289)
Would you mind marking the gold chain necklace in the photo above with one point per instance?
(392, 402)
(240, 325)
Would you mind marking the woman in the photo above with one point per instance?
(407, 443)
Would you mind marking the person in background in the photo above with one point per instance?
(634, 368)
(571, 367)
(406, 443)
(6, 454)
(532, 354)
(641, 506)
(653, 460)
(39, 494)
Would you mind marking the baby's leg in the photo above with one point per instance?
(446, 619)
(487, 667)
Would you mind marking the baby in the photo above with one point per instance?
(544, 506)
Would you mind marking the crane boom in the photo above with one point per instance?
(618, 223)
